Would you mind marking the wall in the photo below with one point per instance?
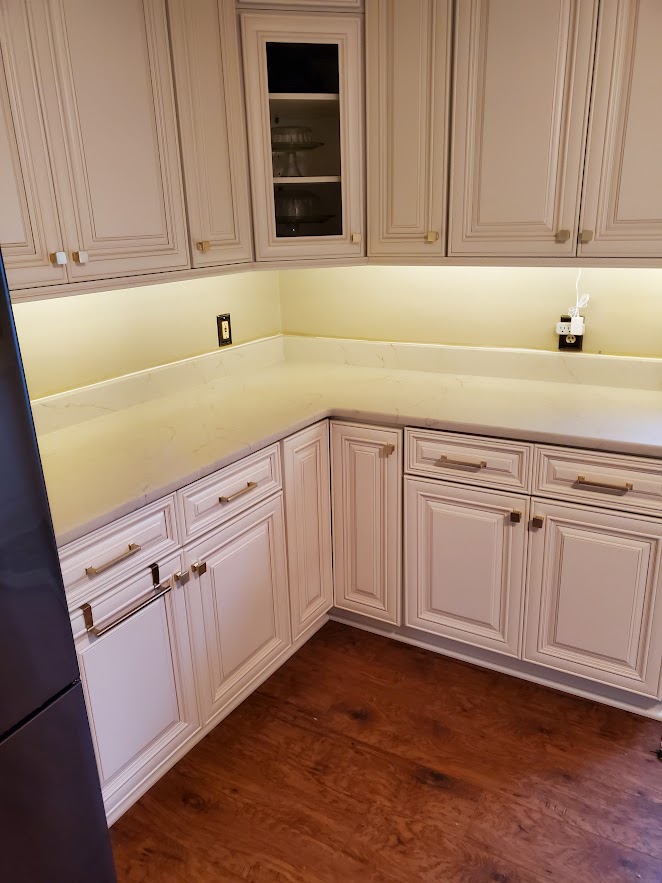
(73, 341)
(476, 306)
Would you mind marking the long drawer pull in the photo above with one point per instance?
(251, 485)
(444, 460)
(97, 631)
(605, 485)
(133, 549)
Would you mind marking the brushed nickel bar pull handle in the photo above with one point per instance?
(97, 631)
(562, 236)
(251, 485)
(444, 460)
(133, 549)
(515, 517)
(605, 485)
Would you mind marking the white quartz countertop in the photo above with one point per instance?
(111, 464)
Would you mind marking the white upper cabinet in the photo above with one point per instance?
(105, 85)
(622, 210)
(408, 49)
(214, 152)
(522, 87)
(29, 225)
(304, 87)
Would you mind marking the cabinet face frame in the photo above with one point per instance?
(173, 614)
(85, 191)
(345, 31)
(490, 513)
(307, 489)
(519, 237)
(216, 686)
(367, 521)
(408, 59)
(205, 47)
(621, 74)
(636, 666)
(26, 156)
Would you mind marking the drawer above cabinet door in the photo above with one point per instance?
(465, 563)
(112, 553)
(468, 459)
(214, 500)
(241, 615)
(366, 492)
(594, 604)
(138, 681)
(609, 480)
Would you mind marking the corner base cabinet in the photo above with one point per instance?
(366, 468)
(594, 596)
(241, 616)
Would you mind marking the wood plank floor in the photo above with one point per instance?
(363, 759)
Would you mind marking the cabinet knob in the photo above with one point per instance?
(357, 238)
(431, 236)
(181, 577)
(585, 236)
(537, 522)
(58, 258)
(199, 568)
(203, 246)
(387, 450)
(562, 236)
(80, 257)
(515, 516)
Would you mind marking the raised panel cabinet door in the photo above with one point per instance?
(465, 563)
(108, 90)
(593, 605)
(366, 493)
(29, 223)
(521, 97)
(622, 210)
(139, 684)
(304, 82)
(307, 480)
(213, 131)
(243, 617)
(408, 53)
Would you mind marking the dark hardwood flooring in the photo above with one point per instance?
(363, 759)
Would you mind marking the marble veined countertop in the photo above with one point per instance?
(103, 460)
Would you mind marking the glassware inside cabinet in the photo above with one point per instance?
(304, 109)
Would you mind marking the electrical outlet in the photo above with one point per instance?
(563, 327)
(568, 339)
(224, 329)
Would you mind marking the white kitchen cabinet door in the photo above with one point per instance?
(465, 563)
(593, 605)
(214, 151)
(306, 474)
(622, 209)
(106, 83)
(408, 52)
(303, 76)
(521, 96)
(366, 492)
(139, 684)
(29, 223)
(242, 619)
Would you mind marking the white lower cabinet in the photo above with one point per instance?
(465, 563)
(594, 596)
(240, 604)
(366, 472)
(306, 473)
(138, 682)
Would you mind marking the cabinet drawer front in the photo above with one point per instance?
(465, 562)
(213, 500)
(593, 602)
(468, 459)
(609, 480)
(111, 553)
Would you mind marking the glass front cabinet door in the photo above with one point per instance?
(304, 89)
